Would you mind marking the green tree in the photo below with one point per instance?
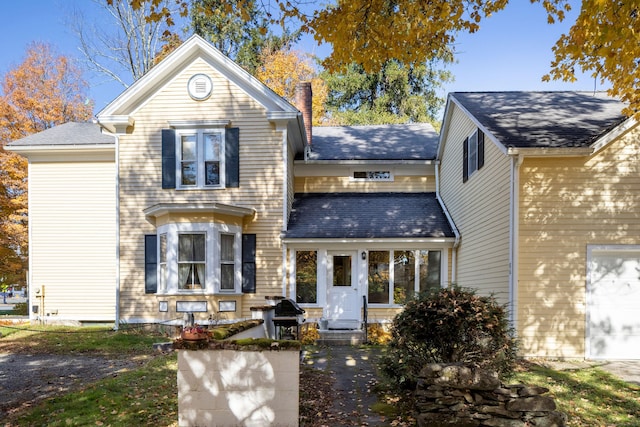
(238, 28)
(395, 94)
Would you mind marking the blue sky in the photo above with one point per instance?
(511, 51)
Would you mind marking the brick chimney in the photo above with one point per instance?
(304, 98)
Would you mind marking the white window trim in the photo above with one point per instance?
(212, 233)
(199, 132)
(318, 274)
(416, 283)
(472, 167)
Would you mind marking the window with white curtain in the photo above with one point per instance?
(191, 261)
(199, 258)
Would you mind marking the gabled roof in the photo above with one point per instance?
(367, 216)
(539, 120)
(416, 141)
(71, 134)
(186, 53)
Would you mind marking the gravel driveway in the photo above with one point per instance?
(28, 378)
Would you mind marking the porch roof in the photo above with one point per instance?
(367, 216)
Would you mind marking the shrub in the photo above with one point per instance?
(448, 326)
(21, 309)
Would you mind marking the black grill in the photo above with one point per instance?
(288, 315)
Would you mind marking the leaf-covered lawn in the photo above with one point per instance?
(590, 397)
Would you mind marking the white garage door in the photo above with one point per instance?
(613, 303)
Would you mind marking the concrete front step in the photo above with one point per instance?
(340, 337)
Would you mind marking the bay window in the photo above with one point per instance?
(199, 258)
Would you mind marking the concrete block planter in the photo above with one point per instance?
(237, 387)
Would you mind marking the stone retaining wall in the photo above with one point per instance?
(457, 395)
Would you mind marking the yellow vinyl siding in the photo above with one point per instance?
(336, 184)
(261, 175)
(72, 216)
(480, 208)
(565, 205)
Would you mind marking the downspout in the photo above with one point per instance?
(285, 205)
(514, 227)
(456, 243)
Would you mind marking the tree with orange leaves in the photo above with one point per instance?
(283, 69)
(44, 91)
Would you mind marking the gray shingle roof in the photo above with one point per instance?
(362, 215)
(72, 133)
(415, 141)
(543, 119)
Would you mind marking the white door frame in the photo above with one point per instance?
(349, 295)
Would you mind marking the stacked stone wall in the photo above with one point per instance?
(458, 395)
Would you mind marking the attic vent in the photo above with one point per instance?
(200, 87)
(372, 176)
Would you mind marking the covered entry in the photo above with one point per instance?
(613, 300)
(349, 252)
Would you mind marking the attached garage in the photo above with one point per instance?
(613, 302)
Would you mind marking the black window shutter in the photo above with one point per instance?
(168, 158)
(150, 264)
(465, 160)
(232, 157)
(249, 263)
(480, 149)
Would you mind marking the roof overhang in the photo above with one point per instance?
(116, 124)
(445, 241)
(155, 211)
(58, 152)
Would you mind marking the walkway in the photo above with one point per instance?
(354, 370)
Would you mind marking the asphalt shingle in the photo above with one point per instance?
(413, 141)
(71, 133)
(543, 119)
(367, 215)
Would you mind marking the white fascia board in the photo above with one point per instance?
(444, 129)
(197, 208)
(302, 168)
(480, 126)
(389, 163)
(444, 241)
(66, 152)
(614, 134)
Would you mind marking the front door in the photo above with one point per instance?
(343, 310)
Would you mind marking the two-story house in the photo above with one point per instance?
(199, 190)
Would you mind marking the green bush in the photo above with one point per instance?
(452, 325)
(21, 309)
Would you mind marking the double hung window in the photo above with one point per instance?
(473, 153)
(200, 158)
(191, 261)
